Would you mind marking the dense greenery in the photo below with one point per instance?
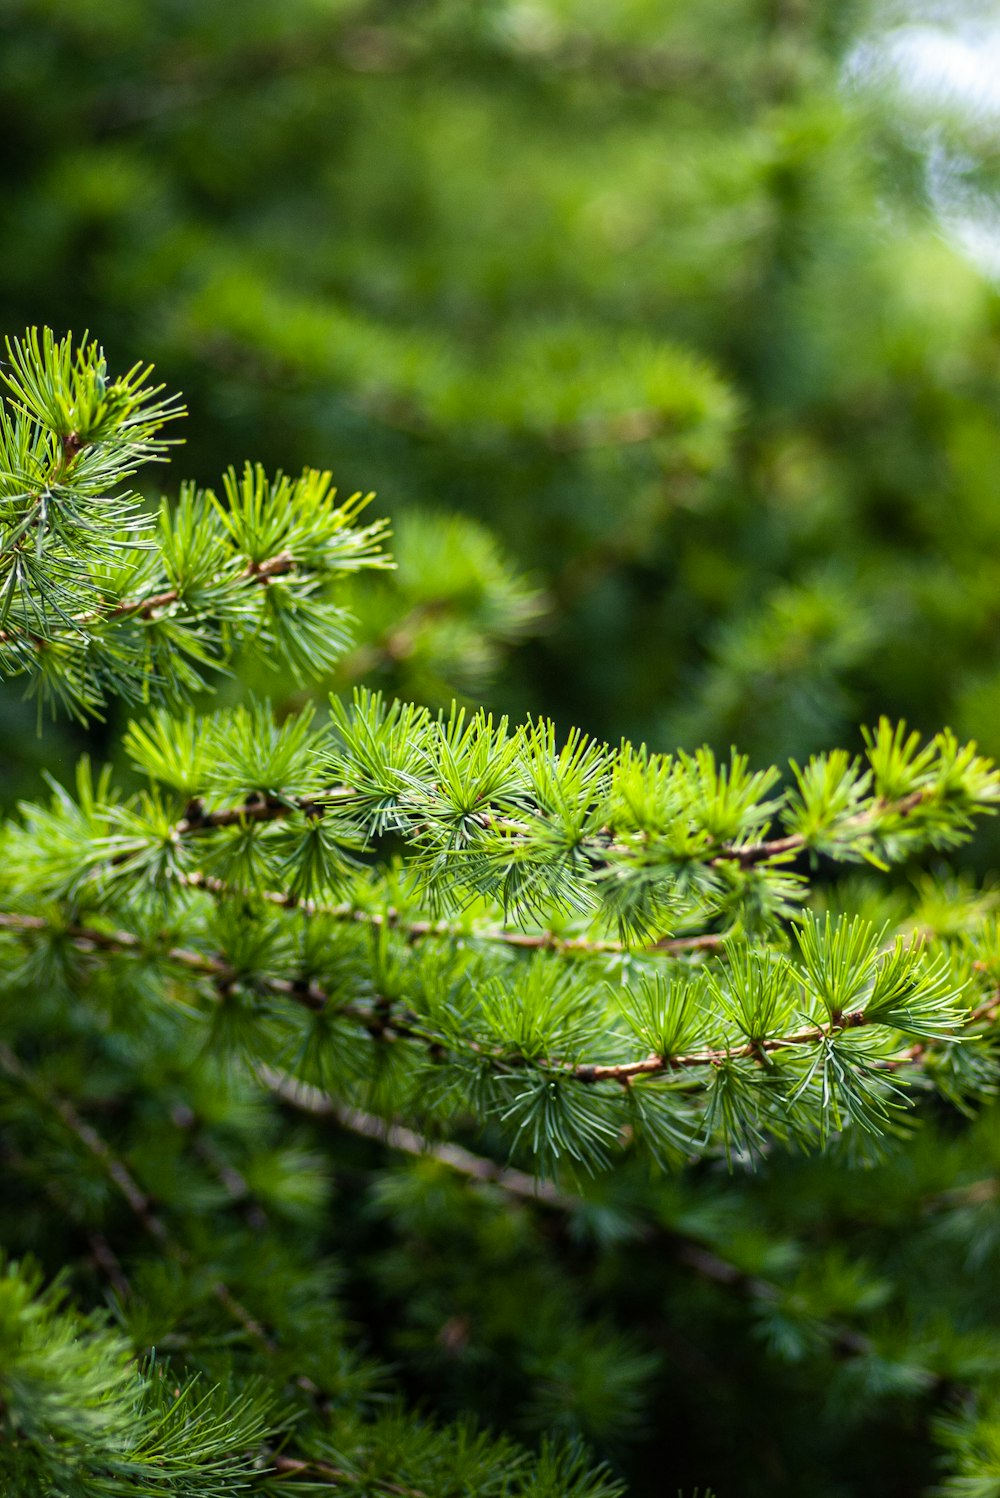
(608, 965)
(409, 1102)
(669, 316)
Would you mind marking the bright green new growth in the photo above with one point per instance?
(100, 597)
(581, 952)
(621, 873)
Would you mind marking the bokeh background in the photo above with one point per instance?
(668, 333)
(687, 302)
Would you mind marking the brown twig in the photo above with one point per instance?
(291, 1466)
(784, 847)
(687, 1250)
(414, 931)
(255, 572)
(260, 808)
(384, 1023)
(308, 1099)
(146, 608)
(233, 1181)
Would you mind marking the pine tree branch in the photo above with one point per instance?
(256, 573)
(393, 645)
(780, 848)
(259, 573)
(135, 1198)
(384, 1022)
(115, 1170)
(290, 1466)
(308, 1099)
(844, 1342)
(234, 1183)
(414, 930)
(688, 1250)
(263, 808)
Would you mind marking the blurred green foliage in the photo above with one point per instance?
(651, 306)
(670, 316)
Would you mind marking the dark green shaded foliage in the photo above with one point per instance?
(647, 294)
(302, 944)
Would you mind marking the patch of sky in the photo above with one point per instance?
(941, 62)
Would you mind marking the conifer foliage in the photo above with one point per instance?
(592, 960)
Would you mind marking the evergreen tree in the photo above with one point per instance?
(384, 1095)
(670, 317)
(582, 990)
